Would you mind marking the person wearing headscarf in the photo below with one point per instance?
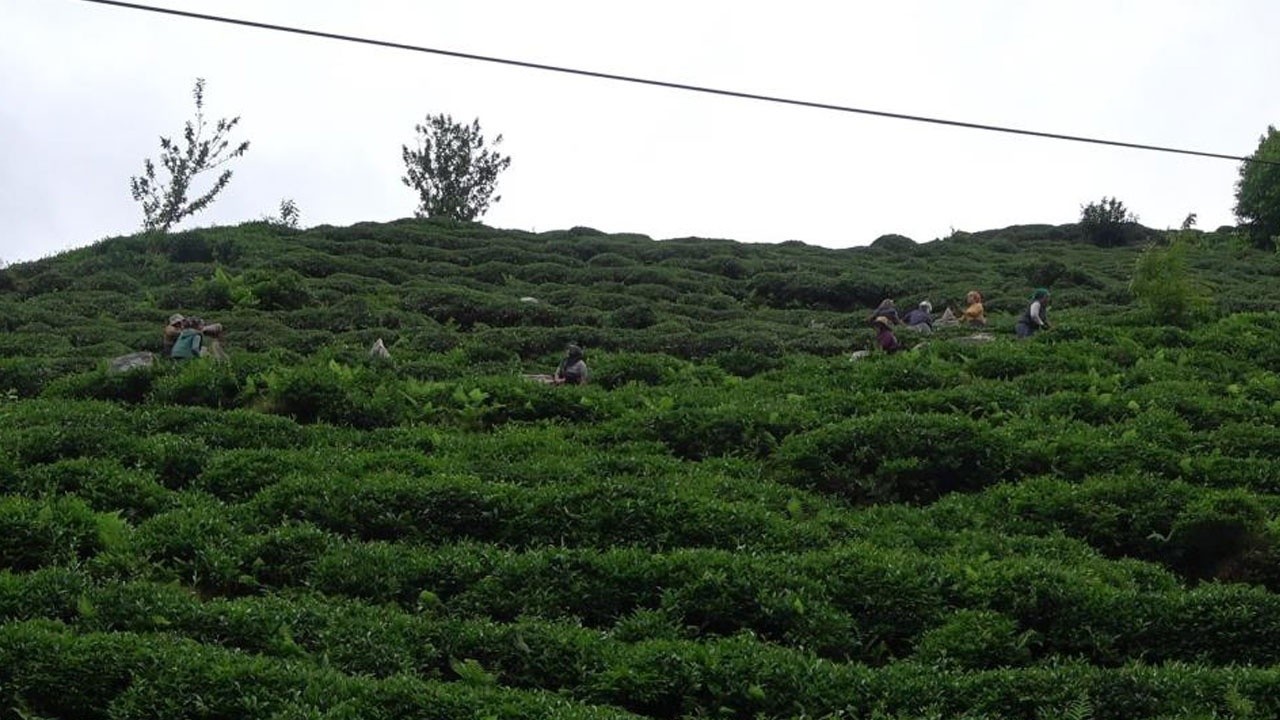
(1036, 317)
(974, 313)
(921, 319)
(573, 368)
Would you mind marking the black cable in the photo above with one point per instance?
(672, 85)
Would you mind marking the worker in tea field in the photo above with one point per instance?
(921, 319)
(171, 332)
(885, 339)
(194, 338)
(975, 313)
(1036, 317)
(573, 368)
(886, 309)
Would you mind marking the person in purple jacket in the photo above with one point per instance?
(885, 339)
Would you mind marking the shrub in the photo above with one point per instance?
(281, 290)
(287, 554)
(975, 640)
(1216, 531)
(37, 533)
(129, 387)
(198, 382)
(696, 433)
(59, 430)
(234, 475)
(383, 507)
(636, 317)
(894, 243)
(104, 484)
(746, 363)
(25, 377)
(196, 545)
(615, 370)
(895, 457)
(176, 459)
(1163, 283)
(309, 394)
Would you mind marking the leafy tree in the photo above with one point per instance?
(451, 169)
(1106, 223)
(288, 216)
(1162, 282)
(1258, 192)
(165, 205)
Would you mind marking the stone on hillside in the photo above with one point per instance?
(379, 350)
(131, 362)
(529, 299)
(948, 319)
(978, 338)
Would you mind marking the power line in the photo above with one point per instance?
(672, 85)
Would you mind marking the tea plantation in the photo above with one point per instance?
(732, 520)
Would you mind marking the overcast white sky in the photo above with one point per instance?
(86, 90)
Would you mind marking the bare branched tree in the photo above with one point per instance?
(165, 204)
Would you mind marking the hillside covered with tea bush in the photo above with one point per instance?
(734, 519)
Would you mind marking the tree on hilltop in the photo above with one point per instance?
(165, 204)
(1258, 192)
(1107, 223)
(451, 170)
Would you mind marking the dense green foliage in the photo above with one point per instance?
(1109, 223)
(452, 172)
(733, 519)
(1258, 192)
(1163, 284)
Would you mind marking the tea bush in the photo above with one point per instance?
(895, 457)
(733, 519)
(56, 531)
(104, 485)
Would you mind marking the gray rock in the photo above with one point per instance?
(131, 362)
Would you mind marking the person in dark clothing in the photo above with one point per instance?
(885, 339)
(886, 310)
(1035, 318)
(921, 319)
(573, 368)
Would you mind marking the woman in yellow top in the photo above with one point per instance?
(975, 313)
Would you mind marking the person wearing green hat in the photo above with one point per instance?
(1035, 317)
